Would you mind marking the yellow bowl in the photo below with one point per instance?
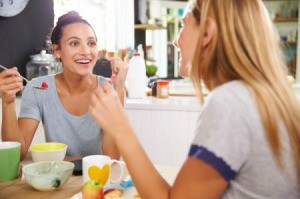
(48, 151)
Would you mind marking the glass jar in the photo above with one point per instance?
(162, 89)
(40, 65)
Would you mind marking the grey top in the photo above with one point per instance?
(230, 137)
(82, 135)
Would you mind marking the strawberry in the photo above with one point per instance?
(44, 85)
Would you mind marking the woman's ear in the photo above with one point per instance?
(209, 31)
(56, 51)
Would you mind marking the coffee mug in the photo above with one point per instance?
(99, 167)
(10, 160)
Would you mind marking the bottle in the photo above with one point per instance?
(136, 77)
(141, 51)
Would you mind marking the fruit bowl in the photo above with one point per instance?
(48, 151)
(46, 176)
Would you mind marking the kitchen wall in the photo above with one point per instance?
(25, 34)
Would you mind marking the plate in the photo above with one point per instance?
(10, 8)
(127, 194)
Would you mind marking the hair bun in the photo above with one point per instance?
(69, 17)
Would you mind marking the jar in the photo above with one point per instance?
(162, 89)
(40, 65)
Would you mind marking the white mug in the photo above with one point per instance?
(99, 167)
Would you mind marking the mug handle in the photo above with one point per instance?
(121, 173)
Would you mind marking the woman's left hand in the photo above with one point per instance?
(119, 71)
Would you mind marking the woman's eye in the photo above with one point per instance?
(74, 43)
(92, 43)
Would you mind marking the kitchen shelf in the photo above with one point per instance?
(149, 59)
(291, 42)
(149, 27)
(294, 19)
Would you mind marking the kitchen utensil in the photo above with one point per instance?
(26, 80)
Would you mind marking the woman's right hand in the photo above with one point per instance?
(10, 84)
(107, 111)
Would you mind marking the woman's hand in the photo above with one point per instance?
(107, 110)
(119, 71)
(10, 84)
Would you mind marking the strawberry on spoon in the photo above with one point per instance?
(43, 86)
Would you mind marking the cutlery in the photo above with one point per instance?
(26, 80)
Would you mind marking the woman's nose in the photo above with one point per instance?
(85, 50)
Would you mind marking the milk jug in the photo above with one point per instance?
(136, 77)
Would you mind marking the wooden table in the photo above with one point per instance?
(20, 189)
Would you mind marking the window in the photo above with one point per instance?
(112, 20)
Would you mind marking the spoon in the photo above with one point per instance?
(26, 80)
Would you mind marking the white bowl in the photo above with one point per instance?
(48, 151)
(46, 176)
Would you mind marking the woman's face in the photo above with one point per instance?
(78, 49)
(187, 42)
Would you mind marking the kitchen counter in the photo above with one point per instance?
(165, 127)
(173, 103)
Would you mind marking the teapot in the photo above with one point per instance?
(40, 65)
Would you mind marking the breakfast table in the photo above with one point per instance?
(20, 189)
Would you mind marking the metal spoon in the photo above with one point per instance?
(26, 80)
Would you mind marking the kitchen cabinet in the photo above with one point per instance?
(165, 127)
(285, 15)
(160, 37)
(153, 36)
(172, 12)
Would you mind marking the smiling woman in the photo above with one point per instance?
(63, 106)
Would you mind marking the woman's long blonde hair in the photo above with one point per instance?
(245, 47)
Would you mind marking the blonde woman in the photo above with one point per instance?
(247, 142)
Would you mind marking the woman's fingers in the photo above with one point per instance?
(115, 64)
(106, 86)
(10, 84)
(10, 72)
(10, 80)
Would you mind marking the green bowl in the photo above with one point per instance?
(46, 176)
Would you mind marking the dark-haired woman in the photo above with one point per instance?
(63, 107)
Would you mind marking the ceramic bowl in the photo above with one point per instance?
(46, 176)
(48, 151)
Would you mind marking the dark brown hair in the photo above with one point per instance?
(64, 20)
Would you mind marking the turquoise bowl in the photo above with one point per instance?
(47, 176)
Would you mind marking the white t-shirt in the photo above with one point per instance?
(82, 135)
(230, 137)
